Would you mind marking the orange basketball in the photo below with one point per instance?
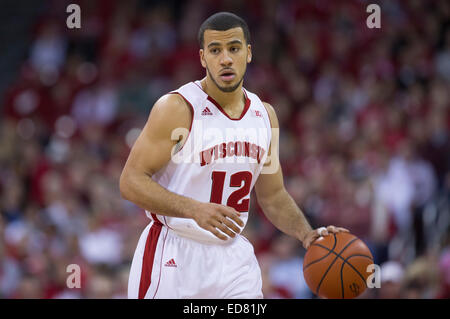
(335, 266)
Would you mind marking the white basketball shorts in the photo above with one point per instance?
(166, 265)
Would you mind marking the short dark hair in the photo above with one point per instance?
(223, 21)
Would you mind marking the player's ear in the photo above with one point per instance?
(249, 53)
(202, 57)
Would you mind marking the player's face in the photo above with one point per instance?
(225, 55)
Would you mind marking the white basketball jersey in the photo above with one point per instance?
(220, 160)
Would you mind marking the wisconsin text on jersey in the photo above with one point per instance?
(238, 148)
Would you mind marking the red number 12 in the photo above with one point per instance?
(218, 181)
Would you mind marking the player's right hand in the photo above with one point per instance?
(218, 219)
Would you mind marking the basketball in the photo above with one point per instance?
(335, 266)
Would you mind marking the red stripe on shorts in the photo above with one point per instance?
(149, 256)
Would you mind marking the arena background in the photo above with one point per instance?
(364, 140)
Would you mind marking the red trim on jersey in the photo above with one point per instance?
(158, 221)
(192, 119)
(244, 111)
(149, 256)
(155, 218)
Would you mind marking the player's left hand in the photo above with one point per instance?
(319, 232)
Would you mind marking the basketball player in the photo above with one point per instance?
(198, 206)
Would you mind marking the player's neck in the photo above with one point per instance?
(227, 100)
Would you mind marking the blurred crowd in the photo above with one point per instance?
(364, 116)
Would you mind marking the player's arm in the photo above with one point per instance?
(277, 204)
(152, 151)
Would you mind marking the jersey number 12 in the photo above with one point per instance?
(218, 181)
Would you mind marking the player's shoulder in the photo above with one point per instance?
(171, 104)
(171, 110)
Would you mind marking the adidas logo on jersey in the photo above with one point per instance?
(206, 111)
(171, 263)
